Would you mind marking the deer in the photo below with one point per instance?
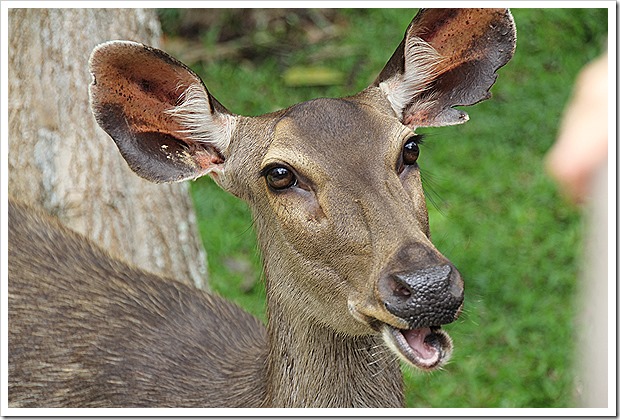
(354, 285)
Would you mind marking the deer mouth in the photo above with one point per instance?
(426, 348)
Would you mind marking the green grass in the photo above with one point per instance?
(498, 216)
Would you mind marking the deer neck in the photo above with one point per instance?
(310, 365)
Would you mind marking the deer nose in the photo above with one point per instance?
(430, 296)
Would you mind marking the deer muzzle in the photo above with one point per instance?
(425, 299)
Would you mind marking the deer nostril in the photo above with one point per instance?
(401, 291)
(394, 289)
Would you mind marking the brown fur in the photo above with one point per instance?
(86, 330)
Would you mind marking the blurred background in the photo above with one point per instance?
(494, 211)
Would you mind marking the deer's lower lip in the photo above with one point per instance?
(425, 348)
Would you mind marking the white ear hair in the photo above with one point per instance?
(421, 61)
(201, 125)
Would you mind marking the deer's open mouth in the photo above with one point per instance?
(425, 348)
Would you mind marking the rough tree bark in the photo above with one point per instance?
(61, 160)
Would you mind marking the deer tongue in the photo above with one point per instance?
(426, 348)
(420, 343)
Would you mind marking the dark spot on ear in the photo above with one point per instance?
(145, 86)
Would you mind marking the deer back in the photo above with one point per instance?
(88, 330)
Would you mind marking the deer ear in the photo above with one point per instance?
(165, 123)
(447, 58)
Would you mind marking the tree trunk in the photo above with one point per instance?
(61, 160)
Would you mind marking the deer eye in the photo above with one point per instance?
(411, 150)
(280, 178)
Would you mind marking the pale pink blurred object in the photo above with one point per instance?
(581, 146)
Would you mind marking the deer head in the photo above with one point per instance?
(333, 184)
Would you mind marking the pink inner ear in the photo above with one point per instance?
(471, 43)
(433, 117)
(417, 119)
(207, 159)
(474, 44)
(139, 97)
(143, 83)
